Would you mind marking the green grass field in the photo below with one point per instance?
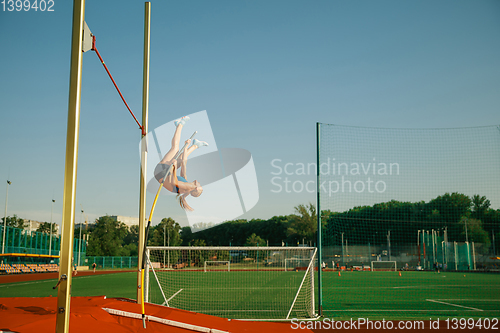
(414, 295)
(373, 295)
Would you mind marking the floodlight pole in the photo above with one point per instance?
(456, 255)
(5, 218)
(51, 215)
(445, 238)
(389, 243)
(418, 246)
(80, 240)
(168, 230)
(493, 241)
(433, 238)
(466, 234)
(70, 170)
(164, 241)
(442, 251)
(144, 152)
(428, 249)
(474, 255)
(423, 247)
(343, 260)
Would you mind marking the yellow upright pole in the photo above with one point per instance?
(69, 196)
(144, 152)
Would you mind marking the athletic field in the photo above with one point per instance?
(413, 295)
(373, 295)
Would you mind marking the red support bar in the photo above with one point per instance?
(116, 86)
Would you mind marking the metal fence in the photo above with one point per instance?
(111, 262)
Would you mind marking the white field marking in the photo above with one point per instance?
(415, 286)
(252, 288)
(384, 310)
(445, 285)
(475, 300)
(89, 276)
(25, 283)
(361, 310)
(378, 287)
(281, 288)
(353, 310)
(460, 306)
(419, 287)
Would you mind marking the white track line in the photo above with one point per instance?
(460, 306)
(13, 284)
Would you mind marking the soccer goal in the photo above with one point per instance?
(383, 266)
(293, 264)
(241, 282)
(214, 265)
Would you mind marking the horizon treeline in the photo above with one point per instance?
(458, 216)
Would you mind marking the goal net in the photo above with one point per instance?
(383, 266)
(234, 282)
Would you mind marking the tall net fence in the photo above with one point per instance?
(426, 199)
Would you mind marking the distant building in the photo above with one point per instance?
(127, 220)
(32, 225)
(85, 226)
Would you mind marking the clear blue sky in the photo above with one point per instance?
(265, 71)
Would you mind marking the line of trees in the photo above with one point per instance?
(15, 222)
(459, 216)
(112, 238)
(462, 217)
(288, 230)
(109, 237)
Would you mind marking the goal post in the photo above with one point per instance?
(218, 265)
(240, 282)
(383, 266)
(292, 264)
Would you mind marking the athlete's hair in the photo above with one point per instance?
(182, 197)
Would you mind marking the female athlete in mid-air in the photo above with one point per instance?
(174, 183)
